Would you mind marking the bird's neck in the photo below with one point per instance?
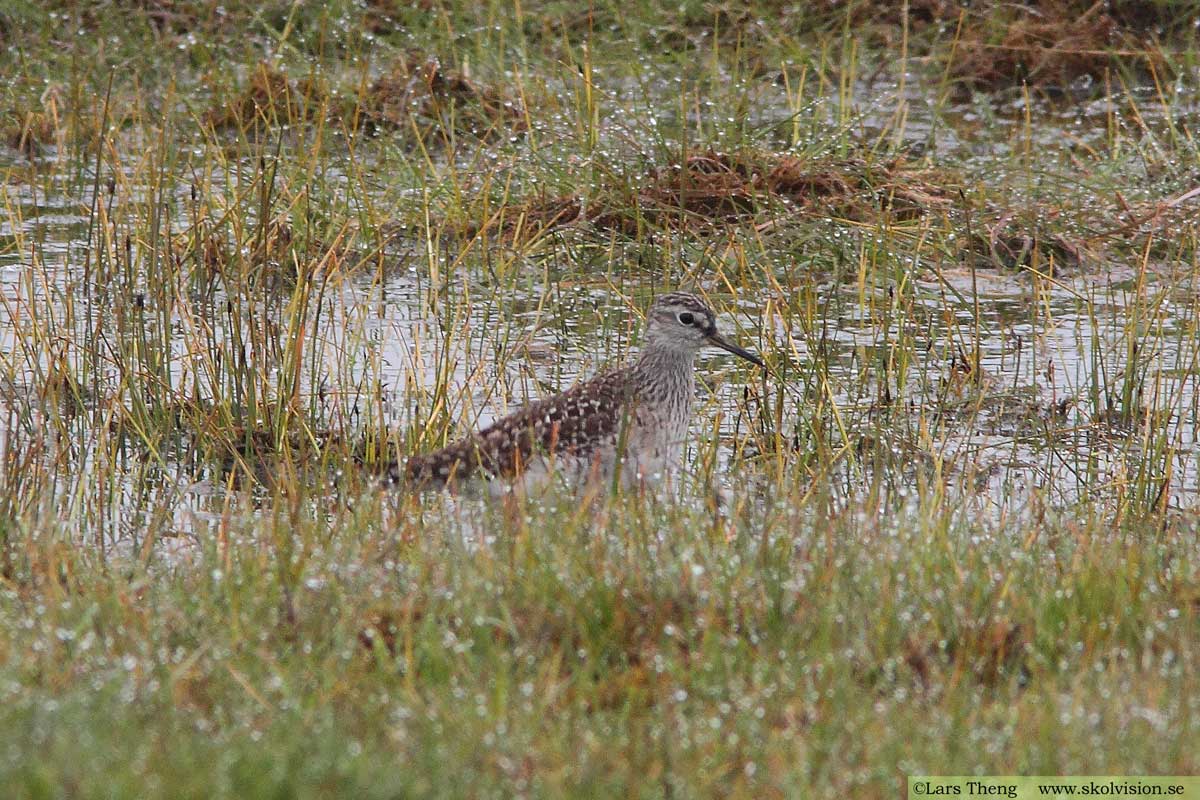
(666, 372)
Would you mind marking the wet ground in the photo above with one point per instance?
(1000, 380)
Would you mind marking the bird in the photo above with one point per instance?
(629, 422)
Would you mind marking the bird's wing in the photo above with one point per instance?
(573, 422)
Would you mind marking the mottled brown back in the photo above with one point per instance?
(572, 423)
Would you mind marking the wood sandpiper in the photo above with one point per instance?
(639, 411)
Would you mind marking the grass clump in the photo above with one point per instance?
(714, 188)
(730, 661)
(414, 89)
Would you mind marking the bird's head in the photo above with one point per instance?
(682, 321)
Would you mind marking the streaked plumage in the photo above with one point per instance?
(644, 406)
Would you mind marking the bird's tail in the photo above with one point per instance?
(436, 470)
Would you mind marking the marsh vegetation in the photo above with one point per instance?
(250, 254)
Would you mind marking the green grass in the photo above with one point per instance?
(649, 650)
(249, 255)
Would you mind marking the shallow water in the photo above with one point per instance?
(1054, 354)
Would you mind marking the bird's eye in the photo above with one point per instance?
(686, 318)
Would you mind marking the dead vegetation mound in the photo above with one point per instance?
(268, 97)
(768, 191)
(41, 123)
(417, 89)
(1045, 44)
(714, 188)
(1006, 238)
(415, 93)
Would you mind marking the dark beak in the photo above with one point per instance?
(717, 340)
